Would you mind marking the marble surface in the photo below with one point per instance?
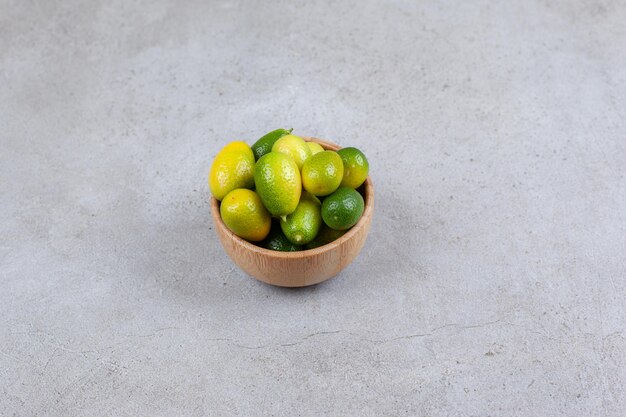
(493, 281)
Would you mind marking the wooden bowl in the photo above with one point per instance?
(307, 267)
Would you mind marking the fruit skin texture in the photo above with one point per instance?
(315, 147)
(295, 147)
(276, 240)
(301, 226)
(232, 168)
(322, 173)
(355, 167)
(325, 236)
(244, 214)
(264, 145)
(278, 183)
(342, 209)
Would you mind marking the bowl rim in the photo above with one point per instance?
(367, 212)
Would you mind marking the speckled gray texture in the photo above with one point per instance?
(494, 279)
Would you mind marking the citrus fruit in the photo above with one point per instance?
(278, 183)
(314, 147)
(244, 214)
(264, 145)
(355, 167)
(325, 236)
(295, 147)
(301, 226)
(233, 167)
(276, 240)
(322, 173)
(342, 209)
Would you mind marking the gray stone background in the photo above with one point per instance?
(493, 282)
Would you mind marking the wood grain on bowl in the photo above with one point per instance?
(298, 269)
